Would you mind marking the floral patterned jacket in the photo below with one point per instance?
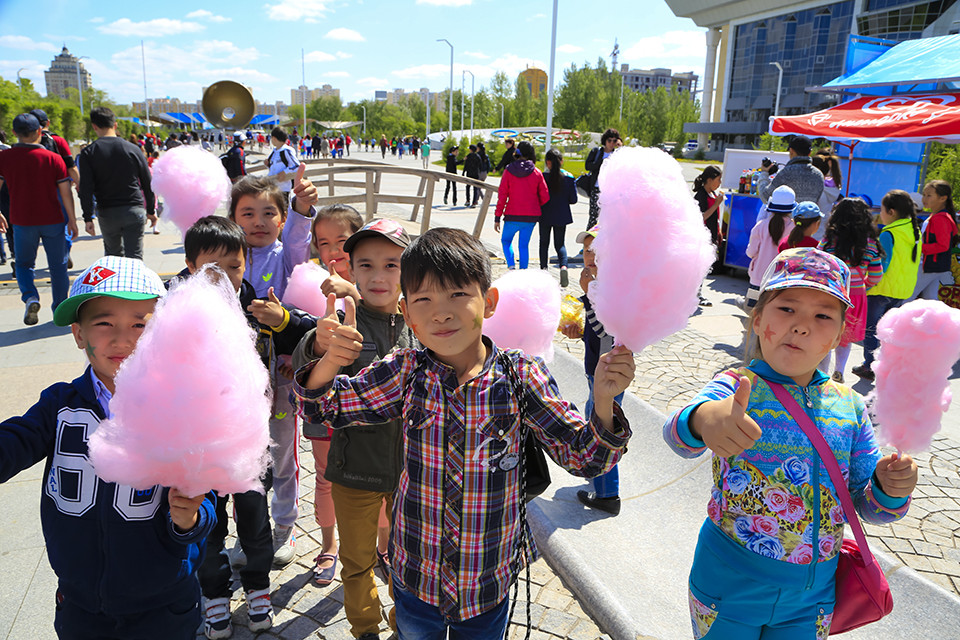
(776, 498)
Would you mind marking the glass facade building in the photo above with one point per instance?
(809, 44)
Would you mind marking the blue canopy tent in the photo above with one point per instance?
(263, 119)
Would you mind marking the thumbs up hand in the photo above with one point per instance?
(304, 192)
(344, 344)
(326, 326)
(724, 425)
(268, 312)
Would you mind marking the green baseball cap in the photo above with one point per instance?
(111, 276)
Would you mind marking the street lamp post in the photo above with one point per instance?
(364, 119)
(501, 114)
(80, 85)
(450, 115)
(20, 80)
(463, 80)
(473, 81)
(621, 97)
(548, 140)
(776, 108)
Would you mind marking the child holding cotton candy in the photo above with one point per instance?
(606, 487)
(259, 207)
(125, 559)
(364, 463)
(769, 547)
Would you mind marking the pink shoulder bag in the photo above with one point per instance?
(863, 595)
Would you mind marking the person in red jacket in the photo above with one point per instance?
(522, 192)
(939, 239)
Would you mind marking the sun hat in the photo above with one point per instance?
(807, 211)
(112, 276)
(808, 268)
(783, 201)
(382, 228)
(589, 233)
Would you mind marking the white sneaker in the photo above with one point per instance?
(259, 610)
(284, 546)
(30, 313)
(236, 555)
(217, 622)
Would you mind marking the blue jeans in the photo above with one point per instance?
(26, 243)
(606, 485)
(417, 620)
(510, 229)
(876, 307)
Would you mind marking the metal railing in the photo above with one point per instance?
(373, 172)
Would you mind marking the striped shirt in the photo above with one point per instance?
(456, 510)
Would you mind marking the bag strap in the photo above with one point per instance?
(830, 462)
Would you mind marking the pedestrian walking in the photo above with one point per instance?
(555, 215)
(521, 194)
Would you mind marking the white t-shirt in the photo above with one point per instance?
(283, 160)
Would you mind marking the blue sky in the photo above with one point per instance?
(358, 46)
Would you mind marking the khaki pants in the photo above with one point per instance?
(358, 515)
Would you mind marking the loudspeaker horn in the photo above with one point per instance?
(228, 105)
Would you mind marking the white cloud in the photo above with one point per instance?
(336, 74)
(343, 55)
(569, 48)
(242, 73)
(23, 43)
(677, 47)
(319, 56)
(479, 55)
(536, 16)
(206, 15)
(423, 71)
(32, 70)
(157, 27)
(96, 20)
(372, 82)
(342, 33)
(298, 10)
(446, 3)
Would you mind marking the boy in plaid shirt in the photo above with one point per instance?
(456, 509)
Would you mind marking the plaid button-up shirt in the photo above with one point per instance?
(456, 510)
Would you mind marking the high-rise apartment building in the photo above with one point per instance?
(63, 74)
(298, 95)
(652, 79)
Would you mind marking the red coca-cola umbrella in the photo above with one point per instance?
(907, 118)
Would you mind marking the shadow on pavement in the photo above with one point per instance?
(28, 334)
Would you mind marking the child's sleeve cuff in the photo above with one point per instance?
(683, 427)
(616, 438)
(884, 500)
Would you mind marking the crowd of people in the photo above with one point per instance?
(418, 421)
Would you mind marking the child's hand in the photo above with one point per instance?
(897, 475)
(572, 331)
(585, 278)
(304, 191)
(346, 343)
(183, 509)
(613, 375)
(267, 312)
(339, 286)
(326, 326)
(724, 425)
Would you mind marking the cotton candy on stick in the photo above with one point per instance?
(192, 402)
(919, 344)
(192, 183)
(527, 314)
(653, 250)
(305, 289)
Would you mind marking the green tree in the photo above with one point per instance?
(325, 108)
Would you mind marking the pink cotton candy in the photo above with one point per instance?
(192, 183)
(653, 250)
(527, 314)
(919, 344)
(192, 403)
(304, 288)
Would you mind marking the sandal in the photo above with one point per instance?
(383, 561)
(324, 576)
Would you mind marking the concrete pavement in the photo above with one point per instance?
(627, 572)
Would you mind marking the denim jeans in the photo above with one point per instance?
(417, 620)
(606, 485)
(876, 307)
(122, 230)
(27, 240)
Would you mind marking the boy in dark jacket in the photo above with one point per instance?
(125, 559)
(364, 465)
(471, 169)
(451, 167)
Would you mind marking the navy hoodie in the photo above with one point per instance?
(114, 548)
